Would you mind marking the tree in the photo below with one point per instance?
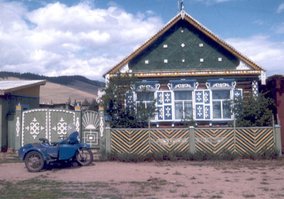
(114, 102)
(94, 105)
(253, 111)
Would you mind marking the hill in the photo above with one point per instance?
(61, 89)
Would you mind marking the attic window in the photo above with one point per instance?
(220, 59)
(165, 61)
(165, 46)
(201, 45)
(146, 61)
(201, 60)
(182, 45)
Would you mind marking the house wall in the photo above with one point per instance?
(193, 85)
(275, 90)
(280, 107)
(3, 124)
(30, 92)
(28, 98)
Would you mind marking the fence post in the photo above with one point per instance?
(78, 116)
(106, 142)
(277, 138)
(18, 126)
(191, 139)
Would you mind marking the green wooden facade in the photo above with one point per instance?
(181, 48)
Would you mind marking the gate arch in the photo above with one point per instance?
(91, 128)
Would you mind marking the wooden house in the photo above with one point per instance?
(13, 93)
(190, 73)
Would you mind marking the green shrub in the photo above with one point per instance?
(197, 156)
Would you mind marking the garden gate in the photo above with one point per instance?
(55, 124)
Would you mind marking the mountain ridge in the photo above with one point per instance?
(61, 89)
(65, 80)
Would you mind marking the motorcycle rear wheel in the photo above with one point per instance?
(84, 157)
(34, 161)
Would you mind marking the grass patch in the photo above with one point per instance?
(35, 188)
(249, 195)
(172, 190)
(216, 196)
(177, 173)
(40, 188)
(184, 195)
(250, 179)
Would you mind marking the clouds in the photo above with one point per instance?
(264, 52)
(280, 29)
(67, 40)
(280, 8)
(56, 39)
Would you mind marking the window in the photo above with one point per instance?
(221, 104)
(202, 104)
(164, 105)
(183, 104)
(145, 98)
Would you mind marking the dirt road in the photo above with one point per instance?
(235, 179)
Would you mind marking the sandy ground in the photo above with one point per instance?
(235, 179)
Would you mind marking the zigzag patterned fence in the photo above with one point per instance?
(168, 140)
(254, 140)
(130, 141)
(214, 140)
(209, 140)
(144, 141)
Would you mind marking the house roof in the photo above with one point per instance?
(255, 69)
(8, 86)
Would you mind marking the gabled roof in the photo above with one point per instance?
(255, 69)
(8, 86)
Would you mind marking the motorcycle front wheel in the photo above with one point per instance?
(84, 156)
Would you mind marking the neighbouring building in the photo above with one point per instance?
(190, 73)
(12, 93)
(275, 90)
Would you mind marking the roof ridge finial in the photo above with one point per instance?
(180, 5)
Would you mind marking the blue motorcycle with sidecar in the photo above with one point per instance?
(38, 155)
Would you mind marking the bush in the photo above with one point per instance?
(197, 156)
(253, 111)
(266, 154)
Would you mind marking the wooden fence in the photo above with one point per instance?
(243, 141)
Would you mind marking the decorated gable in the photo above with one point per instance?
(181, 48)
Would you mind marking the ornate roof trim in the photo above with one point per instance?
(195, 73)
(185, 16)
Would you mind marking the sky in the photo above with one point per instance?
(89, 37)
